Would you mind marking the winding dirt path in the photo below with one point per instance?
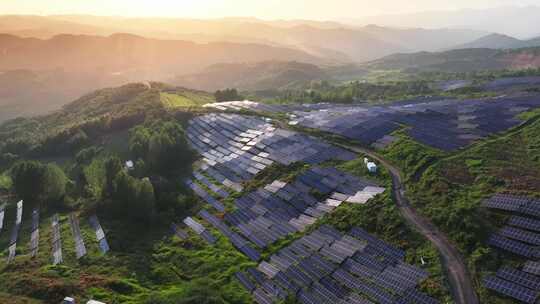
(458, 275)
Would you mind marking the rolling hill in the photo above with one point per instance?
(498, 41)
(125, 53)
(463, 60)
(256, 76)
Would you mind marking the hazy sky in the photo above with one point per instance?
(268, 9)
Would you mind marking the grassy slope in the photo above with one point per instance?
(449, 188)
(184, 99)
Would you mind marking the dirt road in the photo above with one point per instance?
(458, 276)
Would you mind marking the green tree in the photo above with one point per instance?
(113, 166)
(35, 182)
(162, 146)
(54, 183)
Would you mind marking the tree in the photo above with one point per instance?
(54, 183)
(35, 182)
(132, 197)
(27, 180)
(162, 146)
(227, 95)
(113, 166)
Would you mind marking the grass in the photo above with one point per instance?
(5, 182)
(183, 100)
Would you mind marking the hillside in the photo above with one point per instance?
(253, 77)
(124, 53)
(93, 115)
(464, 60)
(498, 41)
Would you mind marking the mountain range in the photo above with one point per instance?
(499, 41)
(332, 40)
(516, 21)
(462, 60)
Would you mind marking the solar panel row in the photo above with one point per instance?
(56, 240)
(80, 249)
(510, 289)
(12, 249)
(100, 234)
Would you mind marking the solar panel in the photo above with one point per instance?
(245, 281)
(510, 289)
(505, 202)
(520, 235)
(519, 277)
(261, 297)
(512, 246)
(2, 213)
(100, 234)
(532, 267)
(57, 242)
(257, 275)
(525, 223)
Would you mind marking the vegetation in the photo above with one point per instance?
(227, 95)
(35, 182)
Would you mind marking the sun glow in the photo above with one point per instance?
(267, 9)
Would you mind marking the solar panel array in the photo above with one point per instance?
(278, 209)
(15, 232)
(328, 266)
(234, 148)
(244, 105)
(80, 249)
(100, 234)
(56, 240)
(443, 124)
(508, 82)
(521, 238)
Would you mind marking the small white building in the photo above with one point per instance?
(372, 167)
(94, 302)
(130, 165)
(68, 300)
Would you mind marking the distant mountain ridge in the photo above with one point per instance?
(271, 75)
(331, 40)
(516, 21)
(499, 41)
(462, 60)
(125, 53)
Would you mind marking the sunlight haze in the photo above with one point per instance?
(269, 9)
